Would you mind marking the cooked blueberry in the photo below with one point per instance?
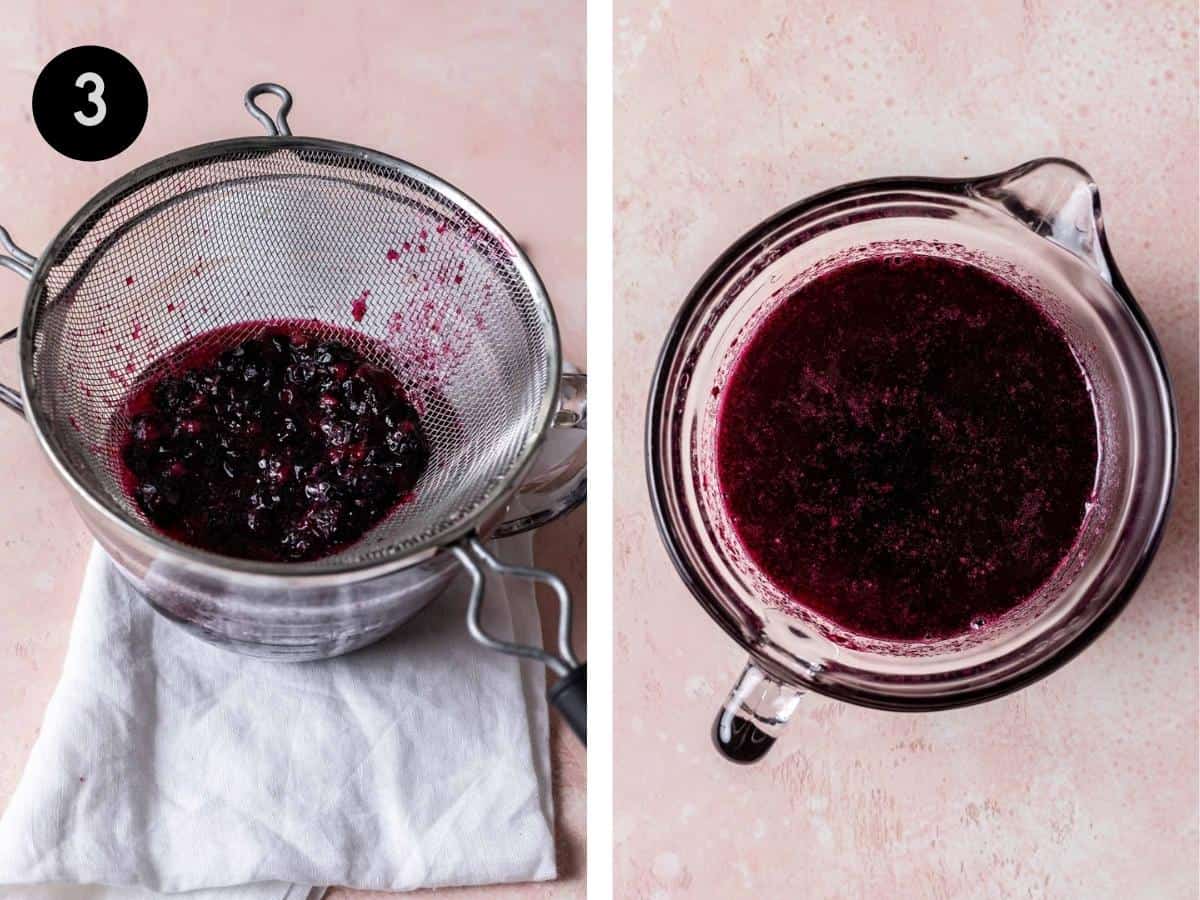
(279, 468)
(336, 431)
(401, 441)
(297, 545)
(300, 372)
(167, 393)
(145, 429)
(318, 490)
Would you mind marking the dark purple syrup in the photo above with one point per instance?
(906, 446)
(280, 446)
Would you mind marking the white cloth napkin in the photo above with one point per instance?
(165, 764)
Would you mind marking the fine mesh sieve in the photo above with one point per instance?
(298, 228)
(366, 249)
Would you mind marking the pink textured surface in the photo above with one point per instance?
(492, 100)
(1084, 785)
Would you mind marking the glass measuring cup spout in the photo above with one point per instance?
(1057, 199)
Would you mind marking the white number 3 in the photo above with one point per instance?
(96, 98)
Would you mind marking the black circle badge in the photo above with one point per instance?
(90, 103)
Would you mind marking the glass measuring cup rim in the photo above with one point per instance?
(1026, 193)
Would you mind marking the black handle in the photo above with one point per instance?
(569, 697)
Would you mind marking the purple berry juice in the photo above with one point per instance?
(906, 446)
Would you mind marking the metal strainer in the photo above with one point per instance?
(256, 229)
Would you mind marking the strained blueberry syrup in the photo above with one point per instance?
(907, 446)
(284, 445)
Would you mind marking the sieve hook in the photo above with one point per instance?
(22, 263)
(279, 126)
(569, 694)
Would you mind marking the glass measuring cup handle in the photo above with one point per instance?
(22, 263)
(756, 711)
(557, 480)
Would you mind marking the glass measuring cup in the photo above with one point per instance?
(1037, 226)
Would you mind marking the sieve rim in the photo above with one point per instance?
(314, 572)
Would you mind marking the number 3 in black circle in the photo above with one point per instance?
(96, 98)
(90, 103)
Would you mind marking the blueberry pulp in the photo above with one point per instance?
(282, 446)
(906, 446)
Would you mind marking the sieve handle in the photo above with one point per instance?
(557, 482)
(22, 263)
(569, 694)
(569, 697)
(279, 126)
